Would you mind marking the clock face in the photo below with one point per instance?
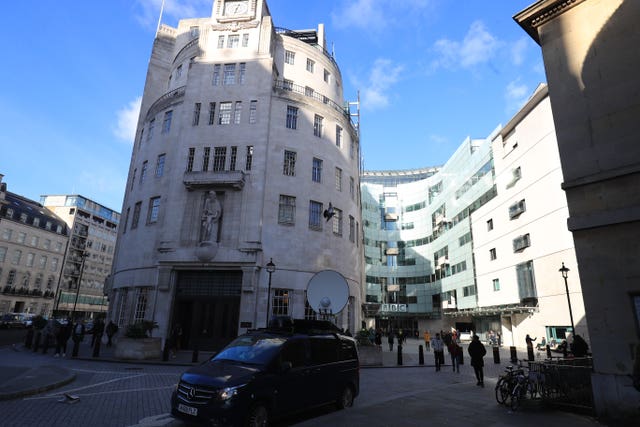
(235, 8)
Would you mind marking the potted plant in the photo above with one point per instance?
(137, 342)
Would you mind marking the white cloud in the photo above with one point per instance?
(375, 15)
(128, 120)
(478, 46)
(173, 10)
(516, 94)
(383, 76)
(518, 50)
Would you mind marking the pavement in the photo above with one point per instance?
(450, 398)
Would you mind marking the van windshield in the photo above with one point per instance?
(251, 349)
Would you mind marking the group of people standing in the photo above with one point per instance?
(60, 331)
(451, 340)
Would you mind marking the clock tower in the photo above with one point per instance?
(225, 11)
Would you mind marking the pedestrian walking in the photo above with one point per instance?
(176, 339)
(438, 350)
(378, 338)
(64, 333)
(455, 351)
(427, 340)
(78, 331)
(111, 329)
(390, 339)
(96, 333)
(477, 351)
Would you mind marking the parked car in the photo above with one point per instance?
(269, 373)
(11, 320)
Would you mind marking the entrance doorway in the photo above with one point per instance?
(207, 307)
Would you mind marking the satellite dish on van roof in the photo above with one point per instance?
(327, 292)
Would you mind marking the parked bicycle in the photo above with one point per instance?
(527, 384)
(506, 383)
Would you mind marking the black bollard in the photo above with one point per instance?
(76, 347)
(399, 354)
(548, 352)
(496, 354)
(514, 355)
(28, 341)
(194, 357)
(420, 355)
(36, 345)
(530, 355)
(96, 347)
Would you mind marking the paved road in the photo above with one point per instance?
(127, 394)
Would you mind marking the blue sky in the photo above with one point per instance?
(430, 73)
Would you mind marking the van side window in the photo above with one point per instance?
(323, 350)
(294, 352)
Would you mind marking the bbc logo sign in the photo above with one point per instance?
(394, 308)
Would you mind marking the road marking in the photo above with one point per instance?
(156, 420)
(52, 396)
(87, 386)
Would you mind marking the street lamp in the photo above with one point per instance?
(564, 271)
(84, 258)
(271, 267)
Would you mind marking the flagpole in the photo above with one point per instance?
(160, 17)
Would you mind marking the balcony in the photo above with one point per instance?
(214, 179)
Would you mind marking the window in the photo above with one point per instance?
(152, 124)
(352, 149)
(36, 222)
(179, 71)
(310, 65)
(160, 165)
(141, 304)
(58, 247)
(35, 240)
(229, 77)
(54, 263)
(11, 277)
(136, 215)
(233, 158)
(287, 84)
(337, 222)
(496, 285)
(143, 171)
(316, 171)
(133, 178)
(6, 233)
(289, 57)
(22, 237)
(521, 242)
(190, 158)
(194, 32)
(517, 209)
(220, 42)
(308, 91)
(338, 136)
(122, 308)
(205, 158)
(490, 224)
(253, 112)
(224, 117)
(126, 220)
(237, 115)
(249, 158)
(280, 306)
(287, 210)
(327, 76)
(317, 126)
(289, 168)
(166, 124)
(315, 215)
(526, 280)
(245, 40)
(492, 254)
(154, 207)
(196, 114)
(216, 76)
(23, 218)
(9, 213)
(352, 188)
(469, 291)
(352, 229)
(3, 253)
(233, 41)
(242, 73)
(16, 257)
(338, 179)
(219, 158)
(30, 258)
(292, 117)
(212, 112)
(47, 244)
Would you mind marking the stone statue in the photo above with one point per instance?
(211, 212)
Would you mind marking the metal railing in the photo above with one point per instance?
(303, 90)
(566, 382)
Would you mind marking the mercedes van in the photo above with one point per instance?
(269, 373)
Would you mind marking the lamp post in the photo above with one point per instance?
(564, 271)
(84, 258)
(271, 267)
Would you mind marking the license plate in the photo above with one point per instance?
(187, 409)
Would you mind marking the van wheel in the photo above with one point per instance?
(258, 416)
(346, 398)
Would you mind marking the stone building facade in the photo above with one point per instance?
(243, 144)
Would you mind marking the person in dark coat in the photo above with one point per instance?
(477, 351)
(579, 347)
(390, 339)
(96, 333)
(378, 338)
(111, 330)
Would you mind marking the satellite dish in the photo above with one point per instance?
(327, 292)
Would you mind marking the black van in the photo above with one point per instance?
(268, 373)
